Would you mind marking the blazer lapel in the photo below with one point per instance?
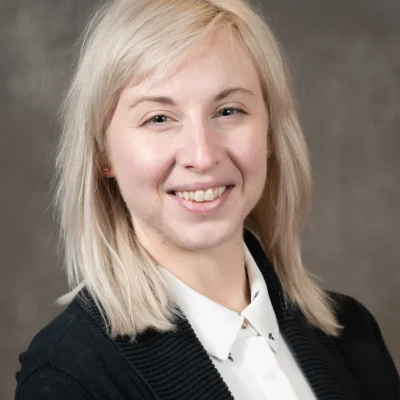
(176, 366)
(317, 354)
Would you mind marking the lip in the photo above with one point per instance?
(206, 207)
(192, 187)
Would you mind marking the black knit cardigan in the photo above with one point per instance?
(74, 358)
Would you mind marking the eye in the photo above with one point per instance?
(161, 118)
(156, 120)
(229, 111)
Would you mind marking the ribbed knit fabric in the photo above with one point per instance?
(74, 358)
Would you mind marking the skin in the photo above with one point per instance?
(197, 140)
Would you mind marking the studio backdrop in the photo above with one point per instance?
(345, 62)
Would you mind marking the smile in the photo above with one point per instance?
(200, 196)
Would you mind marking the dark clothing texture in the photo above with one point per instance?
(74, 358)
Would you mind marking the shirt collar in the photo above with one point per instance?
(260, 312)
(217, 326)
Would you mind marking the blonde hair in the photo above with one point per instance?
(141, 39)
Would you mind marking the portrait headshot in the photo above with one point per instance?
(221, 196)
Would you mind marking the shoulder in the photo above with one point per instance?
(353, 315)
(360, 327)
(363, 346)
(68, 353)
(63, 338)
(46, 382)
(44, 345)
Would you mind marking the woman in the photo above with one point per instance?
(183, 182)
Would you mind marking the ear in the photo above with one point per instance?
(105, 168)
(107, 172)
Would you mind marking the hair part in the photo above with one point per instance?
(127, 42)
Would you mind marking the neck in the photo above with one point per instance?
(218, 273)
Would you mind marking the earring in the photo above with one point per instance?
(106, 172)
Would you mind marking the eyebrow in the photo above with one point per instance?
(168, 101)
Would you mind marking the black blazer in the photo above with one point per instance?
(73, 358)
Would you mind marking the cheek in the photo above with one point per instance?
(140, 168)
(251, 153)
(256, 172)
(137, 165)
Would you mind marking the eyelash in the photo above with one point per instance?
(239, 110)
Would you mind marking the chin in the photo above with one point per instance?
(206, 236)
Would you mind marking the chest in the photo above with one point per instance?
(255, 370)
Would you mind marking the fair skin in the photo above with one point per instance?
(195, 140)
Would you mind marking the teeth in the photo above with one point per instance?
(199, 195)
(209, 195)
(202, 195)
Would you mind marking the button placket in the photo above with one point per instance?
(260, 356)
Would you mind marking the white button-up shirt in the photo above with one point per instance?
(254, 361)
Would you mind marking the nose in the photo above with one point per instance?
(201, 149)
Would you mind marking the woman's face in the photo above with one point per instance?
(189, 152)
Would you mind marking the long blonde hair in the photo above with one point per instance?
(138, 39)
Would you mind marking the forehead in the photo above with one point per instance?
(221, 59)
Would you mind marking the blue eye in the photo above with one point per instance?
(161, 118)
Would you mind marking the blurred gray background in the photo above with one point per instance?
(345, 57)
